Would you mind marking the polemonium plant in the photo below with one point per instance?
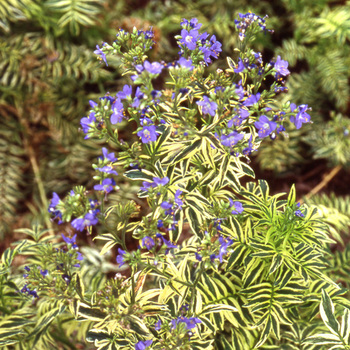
(217, 265)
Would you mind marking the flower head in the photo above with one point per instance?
(208, 107)
(301, 116)
(148, 134)
(101, 55)
(87, 123)
(121, 257)
(265, 126)
(148, 242)
(237, 207)
(153, 68)
(71, 241)
(142, 345)
(117, 109)
(107, 185)
(281, 67)
(89, 219)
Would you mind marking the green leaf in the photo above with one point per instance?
(327, 313)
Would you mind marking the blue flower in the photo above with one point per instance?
(248, 150)
(299, 213)
(100, 54)
(190, 322)
(142, 345)
(153, 68)
(238, 119)
(52, 207)
(44, 273)
(108, 156)
(265, 126)
(108, 170)
(189, 38)
(138, 97)
(198, 256)
(89, 219)
(301, 117)
(168, 244)
(148, 134)
(193, 23)
(71, 241)
(240, 67)
(87, 123)
(117, 109)
(224, 244)
(231, 139)
(148, 242)
(185, 63)
(127, 90)
(106, 186)
(158, 325)
(236, 206)
(121, 257)
(208, 107)
(177, 199)
(251, 100)
(281, 67)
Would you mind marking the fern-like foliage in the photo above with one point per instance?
(332, 142)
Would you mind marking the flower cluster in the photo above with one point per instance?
(247, 20)
(192, 40)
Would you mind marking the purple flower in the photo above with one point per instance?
(299, 213)
(248, 150)
(224, 244)
(198, 256)
(190, 322)
(265, 126)
(33, 293)
(148, 242)
(215, 48)
(107, 169)
(148, 134)
(101, 55)
(193, 23)
(153, 68)
(281, 66)
(92, 104)
(121, 257)
(177, 199)
(71, 241)
(44, 273)
(142, 345)
(106, 186)
(127, 90)
(238, 119)
(160, 181)
(185, 63)
(108, 156)
(117, 109)
(251, 100)
(89, 219)
(231, 139)
(158, 325)
(240, 67)
(301, 117)
(87, 123)
(166, 205)
(207, 106)
(236, 206)
(168, 244)
(54, 201)
(189, 38)
(138, 97)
